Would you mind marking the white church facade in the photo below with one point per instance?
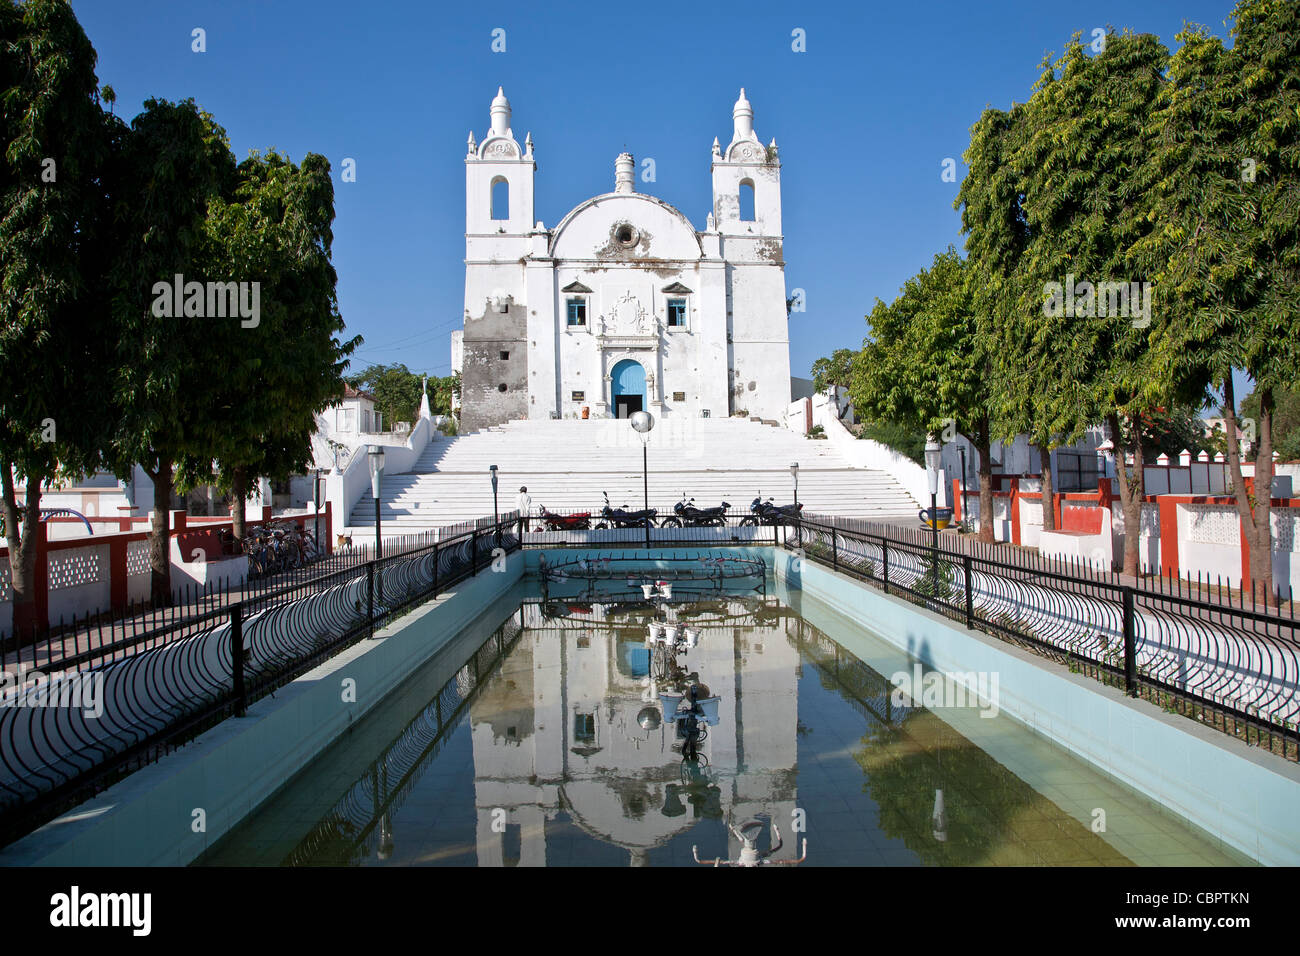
(624, 305)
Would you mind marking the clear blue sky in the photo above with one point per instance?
(864, 120)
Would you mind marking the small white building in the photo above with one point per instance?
(355, 414)
(624, 305)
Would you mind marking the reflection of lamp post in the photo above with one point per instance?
(939, 819)
(496, 520)
(642, 422)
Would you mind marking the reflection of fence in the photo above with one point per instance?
(158, 691)
(358, 824)
(1234, 668)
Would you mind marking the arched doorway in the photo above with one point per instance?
(628, 381)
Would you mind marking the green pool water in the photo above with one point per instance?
(542, 744)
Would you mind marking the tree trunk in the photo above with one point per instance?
(1049, 490)
(1132, 489)
(160, 535)
(983, 446)
(1256, 518)
(22, 548)
(238, 498)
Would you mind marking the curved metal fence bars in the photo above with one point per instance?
(1231, 667)
(65, 736)
(93, 715)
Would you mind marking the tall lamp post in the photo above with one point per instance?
(794, 471)
(933, 454)
(315, 495)
(496, 520)
(376, 454)
(965, 512)
(642, 422)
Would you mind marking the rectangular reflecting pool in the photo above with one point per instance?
(567, 731)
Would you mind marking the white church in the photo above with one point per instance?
(624, 305)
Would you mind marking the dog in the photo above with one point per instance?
(345, 541)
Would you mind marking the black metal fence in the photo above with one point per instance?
(103, 636)
(578, 529)
(67, 736)
(1231, 667)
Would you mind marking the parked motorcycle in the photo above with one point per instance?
(765, 512)
(557, 522)
(685, 514)
(622, 518)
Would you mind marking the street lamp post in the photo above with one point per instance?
(933, 455)
(496, 519)
(376, 453)
(642, 422)
(794, 471)
(315, 495)
(965, 513)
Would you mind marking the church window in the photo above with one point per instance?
(500, 198)
(677, 313)
(746, 200)
(584, 728)
(501, 387)
(577, 312)
(505, 355)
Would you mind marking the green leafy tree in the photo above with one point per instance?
(926, 366)
(1224, 162)
(172, 161)
(1285, 421)
(1081, 164)
(833, 371)
(285, 369)
(53, 140)
(397, 390)
(442, 391)
(1033, 397)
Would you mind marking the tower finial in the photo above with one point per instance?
(624, 173)
(743, 117)
(500, 113)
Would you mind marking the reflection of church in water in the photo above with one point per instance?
(569, 726)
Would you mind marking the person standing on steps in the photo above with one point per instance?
(524, 504)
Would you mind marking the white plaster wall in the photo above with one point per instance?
(865, 453)
(1031, 521)
(92, 590)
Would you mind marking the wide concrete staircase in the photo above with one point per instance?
(566, 464)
